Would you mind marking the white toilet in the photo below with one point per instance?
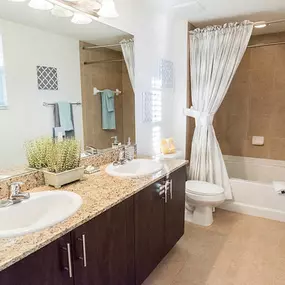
(201, 198)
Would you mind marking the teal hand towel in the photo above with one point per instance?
(108, 110)
(65, 116)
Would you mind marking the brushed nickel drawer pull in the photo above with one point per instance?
(69, 269)
(83, 239)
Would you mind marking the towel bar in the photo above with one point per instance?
(52, 104)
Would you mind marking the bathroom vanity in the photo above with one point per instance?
(124, 227)
(116, 240)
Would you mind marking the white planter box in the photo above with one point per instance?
(59, 179)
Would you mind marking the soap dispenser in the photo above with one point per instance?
(116, 143)
(130, 150)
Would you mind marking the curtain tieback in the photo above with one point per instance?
(201, 118)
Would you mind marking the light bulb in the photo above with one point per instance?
(40, 5)
(108, 9)
(81, 19)
(61, 12)
(260, 25)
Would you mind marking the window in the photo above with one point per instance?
(3, 96)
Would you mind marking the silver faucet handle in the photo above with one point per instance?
(15, 194)
(16, 187)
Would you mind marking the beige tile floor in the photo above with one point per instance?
(236, 250)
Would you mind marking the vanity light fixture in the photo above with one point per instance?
(96, 5)
(41, 5)
(81, 19)
(260, 25)
(61, 12)
(108, 9)
(83, 11)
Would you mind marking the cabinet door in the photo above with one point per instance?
(47, 266)
(104, 248)
(149, 231)
(175, 209)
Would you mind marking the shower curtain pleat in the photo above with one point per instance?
(215, 54)
(129, 56)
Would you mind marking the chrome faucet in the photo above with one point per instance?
(15, 192)
(122, 157)
(15, 195)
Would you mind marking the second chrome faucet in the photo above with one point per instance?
(15, 195)
(15, 192)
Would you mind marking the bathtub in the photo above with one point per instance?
(251, 181)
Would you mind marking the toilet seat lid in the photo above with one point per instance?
(203, 188)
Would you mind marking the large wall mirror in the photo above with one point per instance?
(53, 71)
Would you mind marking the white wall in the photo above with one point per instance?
(180, 58)
(26, 117)
(157, 35)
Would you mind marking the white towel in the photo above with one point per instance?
(279, 186)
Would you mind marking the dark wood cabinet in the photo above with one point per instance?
(175, 209)
(47, 266)
(103, 248)
(159, 222)
(149, 230)
(121, 246)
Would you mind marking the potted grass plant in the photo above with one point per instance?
(59, 160)
(36, 152)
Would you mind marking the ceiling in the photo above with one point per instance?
(95, 33)
(198, 12)
(204, 12)
(209, 12)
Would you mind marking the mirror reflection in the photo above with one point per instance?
(60, 79)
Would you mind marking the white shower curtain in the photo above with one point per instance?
(215, 54)
(129, 56)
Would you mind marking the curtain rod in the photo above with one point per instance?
(104, 46)
(103, 61)
(109, 45)
(52, 104)
(258, 22)
(266, 45)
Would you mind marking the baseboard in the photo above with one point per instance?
(254, 211)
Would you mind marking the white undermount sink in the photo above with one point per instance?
(41, 210)
(135, 168)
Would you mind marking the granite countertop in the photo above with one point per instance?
(99, 193)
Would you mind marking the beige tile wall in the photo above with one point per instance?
(255, 103)
(105, 76)
(190, 123)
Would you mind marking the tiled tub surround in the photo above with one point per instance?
(255, 103)
(99, 192)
